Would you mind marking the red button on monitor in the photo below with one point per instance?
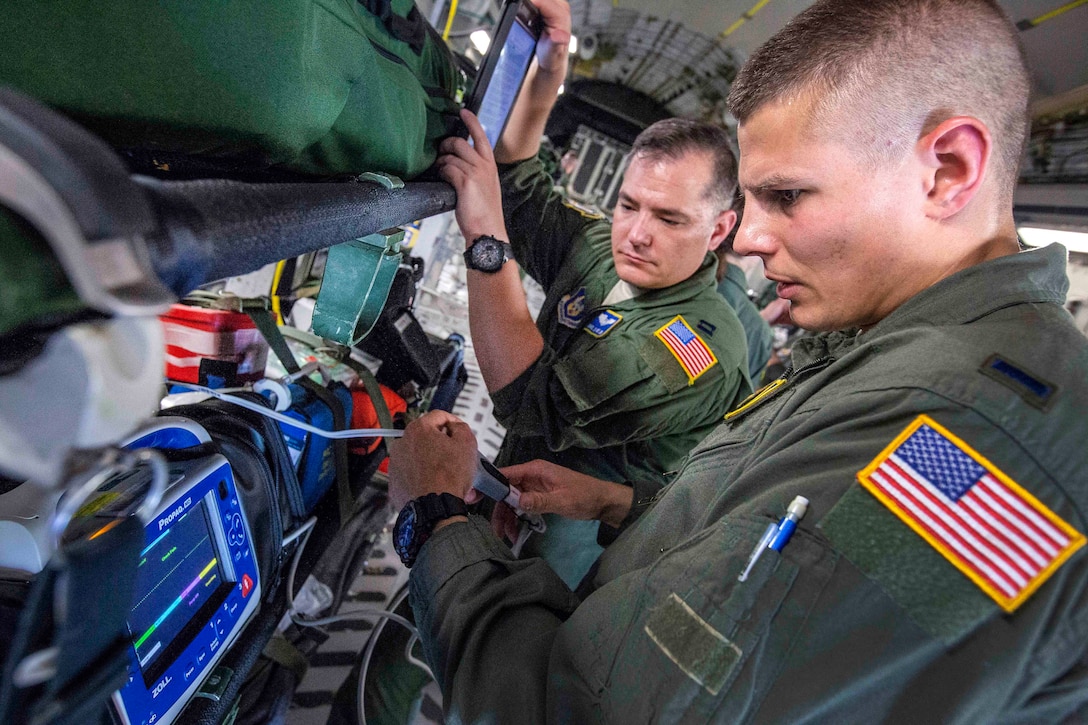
(247, 585)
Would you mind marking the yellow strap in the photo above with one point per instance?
(275, 298)
(449, 20)
(1056, 12)
(744, 18)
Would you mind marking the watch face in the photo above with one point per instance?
(404, 533)
(487, 255)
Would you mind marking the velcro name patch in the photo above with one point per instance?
(989, 527)
(699, 650)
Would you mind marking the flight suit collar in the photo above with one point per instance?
(735, 275)
(703, 277)
(1036, 275)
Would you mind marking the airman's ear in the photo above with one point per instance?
(722, 226)
(956, 156)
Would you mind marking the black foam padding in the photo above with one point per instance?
(212, 229)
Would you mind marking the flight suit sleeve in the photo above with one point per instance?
(616, 390)
(487, 622)
(542, 228)
(857, 613)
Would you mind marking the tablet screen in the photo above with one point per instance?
(503, 87)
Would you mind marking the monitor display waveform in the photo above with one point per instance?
(180, 574)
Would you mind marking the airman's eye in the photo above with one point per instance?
(787, 197)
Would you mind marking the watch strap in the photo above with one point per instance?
(428, 511)
(435, 507)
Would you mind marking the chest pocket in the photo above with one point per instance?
(594, 371)
(700, 638)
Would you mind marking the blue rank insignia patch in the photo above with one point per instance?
(600, 325)
(572, 308)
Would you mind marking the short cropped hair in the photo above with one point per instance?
(890, 71)
(672, 138)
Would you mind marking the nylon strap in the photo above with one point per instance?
(91, 643)
(339, 446)
(385, 418)
(285, 654)
(264, 321)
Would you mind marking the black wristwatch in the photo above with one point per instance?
(417, 520)
(488, 254)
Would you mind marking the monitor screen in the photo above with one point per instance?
(502, 89)
(183, 581)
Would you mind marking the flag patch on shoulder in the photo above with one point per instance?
(991, 529)
(687, 347)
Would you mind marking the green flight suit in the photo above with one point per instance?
(760, 337)
(606, 399)
(858, 618)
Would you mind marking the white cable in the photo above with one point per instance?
(294, 422)
(356, 614)
(309, 524)
(304, 531)
(364, 665)
(411, 658)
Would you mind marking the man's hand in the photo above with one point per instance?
(547, 488)
(472, 172)
(552, 48)
(521, 139)
(436, 455)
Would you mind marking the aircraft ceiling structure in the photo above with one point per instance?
(683, 54)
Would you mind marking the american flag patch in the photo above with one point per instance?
(687, 347)
(996, 533)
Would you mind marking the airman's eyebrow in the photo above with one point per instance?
(664, 212)
(774, 181)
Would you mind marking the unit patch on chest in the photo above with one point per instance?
(603, 323)
(572, 308)
(996, 533)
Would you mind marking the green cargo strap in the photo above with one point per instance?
(257, 310)
(358, 275)
(386, 181)
(262, 318)
(385, 418)
(343, 354)
(339, 446)
(285, 654)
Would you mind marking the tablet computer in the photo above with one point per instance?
(504, 67)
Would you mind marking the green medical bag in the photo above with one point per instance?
(322, 87)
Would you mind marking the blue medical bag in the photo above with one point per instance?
(313, 455)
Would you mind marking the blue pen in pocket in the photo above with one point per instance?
(777, 535)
